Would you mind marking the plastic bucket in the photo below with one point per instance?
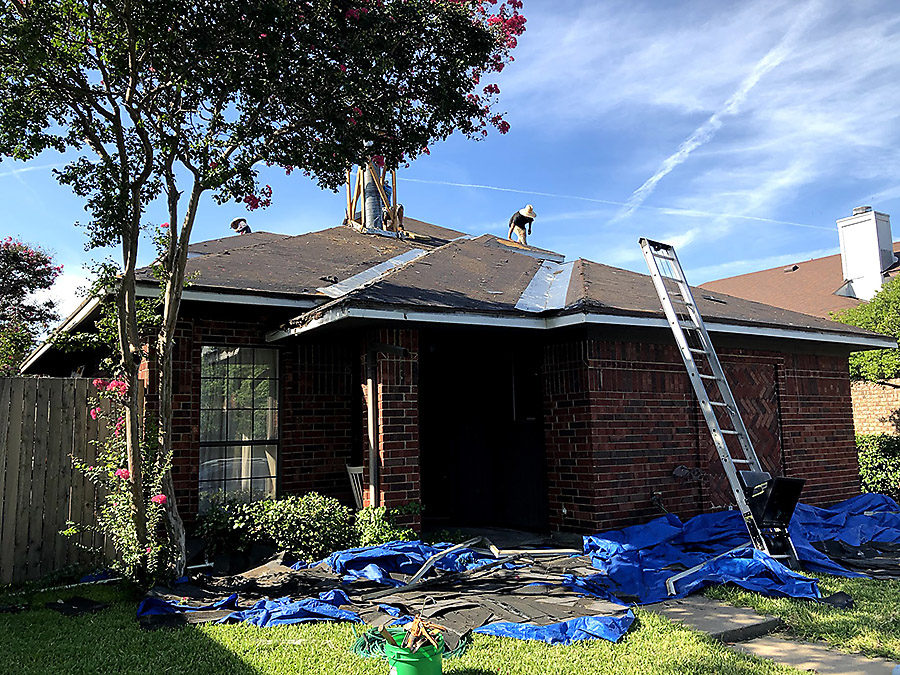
(424, 661)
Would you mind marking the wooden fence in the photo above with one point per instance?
(44, 422)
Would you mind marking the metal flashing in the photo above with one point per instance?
(548, 288)
(372, 274)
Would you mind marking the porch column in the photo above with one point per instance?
(397, 386)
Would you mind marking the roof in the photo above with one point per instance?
(442, 275)
(808, 286)
(489, 278)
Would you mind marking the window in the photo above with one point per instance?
(238, 423)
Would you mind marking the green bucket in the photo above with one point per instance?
(424, 661)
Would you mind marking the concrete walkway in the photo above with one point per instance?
(755, 634)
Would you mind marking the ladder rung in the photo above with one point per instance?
(697, 351)
(780, 555)
(663, 256)
(708, 377)
(732, 432)
(740, 461)
(719, 404)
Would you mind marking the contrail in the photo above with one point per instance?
(708, 129)
(25, 169)
(668, 210)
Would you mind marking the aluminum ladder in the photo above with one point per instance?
(713, 393)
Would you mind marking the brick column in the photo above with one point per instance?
(817, 427)
(397, 378)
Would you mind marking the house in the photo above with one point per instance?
(824, 286)
(511, 388)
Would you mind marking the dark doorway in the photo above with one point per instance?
(481, 430)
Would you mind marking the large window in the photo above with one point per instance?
(238, 423)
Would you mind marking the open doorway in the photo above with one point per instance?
(481, 430)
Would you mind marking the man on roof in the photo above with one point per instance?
(519, 221)
(240, 226)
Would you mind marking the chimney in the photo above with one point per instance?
(867, 250)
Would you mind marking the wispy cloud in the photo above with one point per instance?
(702, 134)
(26, 169)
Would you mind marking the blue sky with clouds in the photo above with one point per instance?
(737, 130)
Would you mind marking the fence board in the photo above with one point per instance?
(38, 479)
(4, 446)
(81, 508)
(23, 504)
(16, 389)
(60, 427)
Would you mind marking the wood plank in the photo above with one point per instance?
(38, 480)
(104, 431)
(20, 542)
(59, 477)
(82, 508)
(5, 385)
(11, 480)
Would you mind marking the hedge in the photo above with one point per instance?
(879, 463)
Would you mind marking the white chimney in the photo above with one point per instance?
(867, 250)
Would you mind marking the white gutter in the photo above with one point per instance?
(546, 323)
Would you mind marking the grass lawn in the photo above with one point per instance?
(42, 641)
(872, 627)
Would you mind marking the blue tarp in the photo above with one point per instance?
(285, 610)
(635, 562)
(377, 563)
(610, 628)
(152, 605)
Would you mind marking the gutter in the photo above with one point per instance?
(342, 313)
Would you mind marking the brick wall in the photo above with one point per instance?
(876, 407)
(317, 412)
(620, 416)
(398, 419)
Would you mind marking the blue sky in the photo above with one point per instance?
(737, 130)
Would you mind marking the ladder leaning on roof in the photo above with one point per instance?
(767, 525)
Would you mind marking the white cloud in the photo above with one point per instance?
(67, 291)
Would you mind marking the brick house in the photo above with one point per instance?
(511, 388)
(831, 284)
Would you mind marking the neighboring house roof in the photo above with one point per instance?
(442, 275)
(807, 286)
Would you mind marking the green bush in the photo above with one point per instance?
(376, 525)
(879, 463)
(310, 527)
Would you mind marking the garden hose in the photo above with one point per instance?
(370, 643)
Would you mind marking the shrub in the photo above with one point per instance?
(377, 525)
(310, 527)
(879, 463)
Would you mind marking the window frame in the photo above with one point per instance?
(220, 484)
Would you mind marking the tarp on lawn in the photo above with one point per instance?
(635, 562)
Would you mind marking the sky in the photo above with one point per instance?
(738, 131)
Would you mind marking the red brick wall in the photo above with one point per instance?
(398, 420)
(817, 426)
(620, 416)
(876, 407)
(316, 407)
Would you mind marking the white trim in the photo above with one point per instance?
(233, 298)
(72, 321)
(424, 316)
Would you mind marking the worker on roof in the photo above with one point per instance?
(240, 226)
(521, 219)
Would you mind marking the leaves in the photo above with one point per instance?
(881, 315)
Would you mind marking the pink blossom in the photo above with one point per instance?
(94, 413)
(149, 548)
(343, 68)
(124, 474)
(263, 35)
(158, 499)
(164, 225)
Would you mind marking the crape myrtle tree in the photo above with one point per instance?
(171, 99)
(24, 270)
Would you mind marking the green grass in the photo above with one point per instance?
(42, 641)
(872, 627)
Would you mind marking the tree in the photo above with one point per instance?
(172, 99)
(24, 270)
(882, 315)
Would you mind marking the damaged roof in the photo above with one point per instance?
(808, 286)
